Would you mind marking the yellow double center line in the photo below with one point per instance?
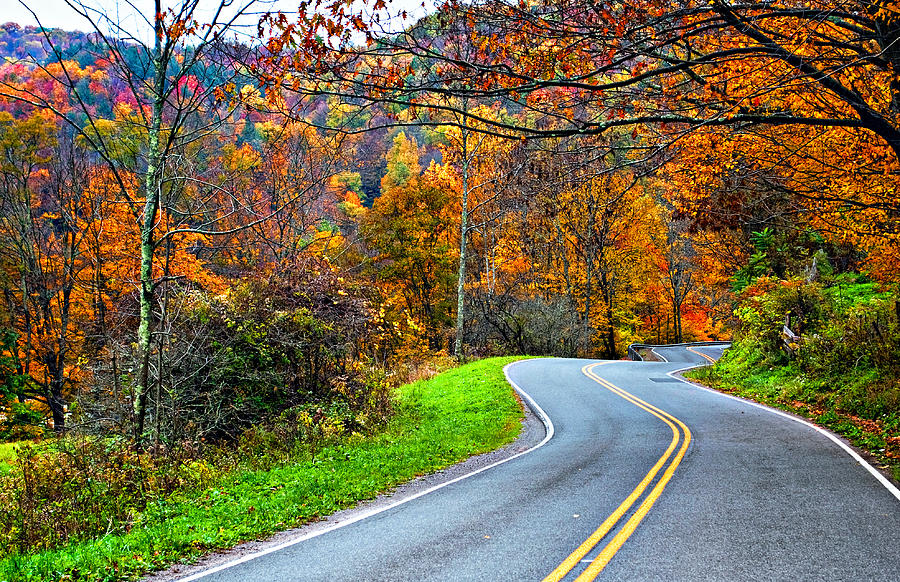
(708, 359)
(679, 430)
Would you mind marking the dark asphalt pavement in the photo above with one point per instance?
(757, 496)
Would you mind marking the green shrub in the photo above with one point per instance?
(765, 304)
(849, 354)
(865, 335)
(229, 362)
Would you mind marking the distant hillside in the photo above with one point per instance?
(20, 42)
(101, 93)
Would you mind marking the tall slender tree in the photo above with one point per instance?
(178, 81)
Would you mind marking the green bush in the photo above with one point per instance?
(865, 335)
(229, 362)
(765, 304)
(848, 357)
(21, 421)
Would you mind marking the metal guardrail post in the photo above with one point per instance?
(633, 353)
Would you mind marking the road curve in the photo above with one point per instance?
(646, 478)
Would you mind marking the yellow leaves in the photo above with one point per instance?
(402, 163)
(351, 205)
(327, 244)
(886, 12)
(123, 110)
(251, 97)
(845, 180)
(99, 76)
(509, 258)
(240, 159)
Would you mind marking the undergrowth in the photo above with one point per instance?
(7, 454)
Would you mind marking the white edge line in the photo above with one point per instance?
(539, 412)
(688, 344)
(833, 437)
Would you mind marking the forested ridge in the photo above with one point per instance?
(210, 242)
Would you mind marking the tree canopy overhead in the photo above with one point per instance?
(593, 66)
(788, 99)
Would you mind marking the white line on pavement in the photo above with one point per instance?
(548, 424)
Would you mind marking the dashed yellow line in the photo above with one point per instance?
(597, 564)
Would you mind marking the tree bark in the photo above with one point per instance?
(463, 234)
(151, 188)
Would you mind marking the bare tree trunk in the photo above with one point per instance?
(588, 293)
(463, 234)
(57, 405)
(151, 206)
(610, 340)
(676, 311)
(163, 337)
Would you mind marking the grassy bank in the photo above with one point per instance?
(842, 373)
(440, 421)
(7, 454)
(849, 405)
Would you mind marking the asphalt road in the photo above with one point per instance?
(730, 491)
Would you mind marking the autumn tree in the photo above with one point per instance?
(411, 227)
(565, 263)
(678, 270)
(817, 81)
(284, 177)
(174, 84)
(600, 229)
(484, 165)
(42, 203)
(616, 64)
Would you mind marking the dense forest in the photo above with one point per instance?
(205, 234)
(352, 238)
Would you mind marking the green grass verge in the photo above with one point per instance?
(440, 421)
(843, 405)
(7, 454)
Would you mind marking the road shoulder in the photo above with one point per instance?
(865, 457)
(532, 433)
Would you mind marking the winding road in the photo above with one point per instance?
(643, 477)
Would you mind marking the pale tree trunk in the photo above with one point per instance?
(146, 297)
(463, 234)
(152, 185)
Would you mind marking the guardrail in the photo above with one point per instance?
(634, 355)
